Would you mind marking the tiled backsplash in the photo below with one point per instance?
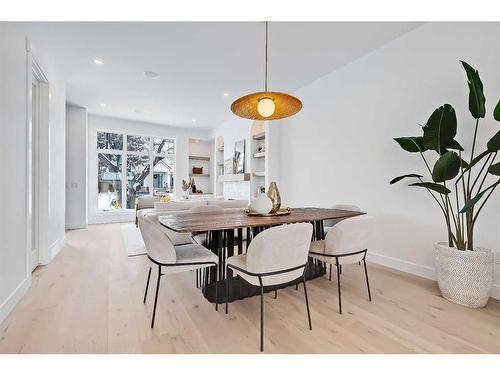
(237, 189)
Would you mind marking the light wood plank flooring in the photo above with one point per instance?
(89, 300)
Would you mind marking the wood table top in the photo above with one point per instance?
(231, 219)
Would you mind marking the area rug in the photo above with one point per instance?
(134, 244)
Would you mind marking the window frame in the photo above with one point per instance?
(124, 152)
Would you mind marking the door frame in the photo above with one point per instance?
(40, 139)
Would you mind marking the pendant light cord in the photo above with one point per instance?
(265, 84)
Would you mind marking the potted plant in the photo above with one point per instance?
(460, 189)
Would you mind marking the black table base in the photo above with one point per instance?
(226, 243)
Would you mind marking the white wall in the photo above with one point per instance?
(15, 278)
(181, 135)
(339, 148)
(76, 167)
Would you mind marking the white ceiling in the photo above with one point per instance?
(198, 62)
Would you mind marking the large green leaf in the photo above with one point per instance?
(495, 169)
(493, 144)
(470, 203)
(399, 178)
(496, 112)
(476, 95)
(411, 144)
(447, 167)
(432, 186)
(440, 129)
(454, 145)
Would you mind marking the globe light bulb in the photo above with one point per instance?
(266, 107)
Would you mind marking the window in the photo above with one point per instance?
(125, 163)
(109, 181)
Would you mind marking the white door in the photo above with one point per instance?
(35, 126)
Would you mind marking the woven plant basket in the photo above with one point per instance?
(464, 277)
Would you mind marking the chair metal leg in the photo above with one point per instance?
(156, 297)
(296, 286)
(330, 272)
(227, 289)
(147, 285)
(339, 268)
(261, 318)
(367, 282)
(240, 283)
(216, 287)
(338, 287)
(307, 303)
(276, 294)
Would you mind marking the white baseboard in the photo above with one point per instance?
(402, 265)
(415, 269)
(13, 299)
(56, 247)
(71, 226)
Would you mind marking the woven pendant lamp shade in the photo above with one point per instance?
(273, 105)
(286, 105)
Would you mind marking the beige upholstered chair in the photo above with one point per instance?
(347, 207)
(171, 259)
(345, 243)
(276, 256)
(144, 202)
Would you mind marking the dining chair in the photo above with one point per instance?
(328, 224)
(201, 238)
(275, 257)
(345, 243)
(171, 259)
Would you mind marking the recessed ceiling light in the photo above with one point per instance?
(98, 62)
(103, 105)
(151, 75)
(226, 94)
(194, 120)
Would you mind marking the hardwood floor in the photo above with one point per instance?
(89, 300)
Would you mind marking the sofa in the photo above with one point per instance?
(152, 208)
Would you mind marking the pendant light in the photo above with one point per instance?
(266, 105)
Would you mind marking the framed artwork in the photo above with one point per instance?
(239, 156)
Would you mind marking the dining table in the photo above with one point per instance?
(229, 232)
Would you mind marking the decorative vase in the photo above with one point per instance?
(261, 204)
(464, 277)
(274, 194)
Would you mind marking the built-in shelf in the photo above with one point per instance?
(259, 154)
(198, 175)
(220, 148)
(234, 177)
(259, 174)
(205, 158)
(260, 135)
